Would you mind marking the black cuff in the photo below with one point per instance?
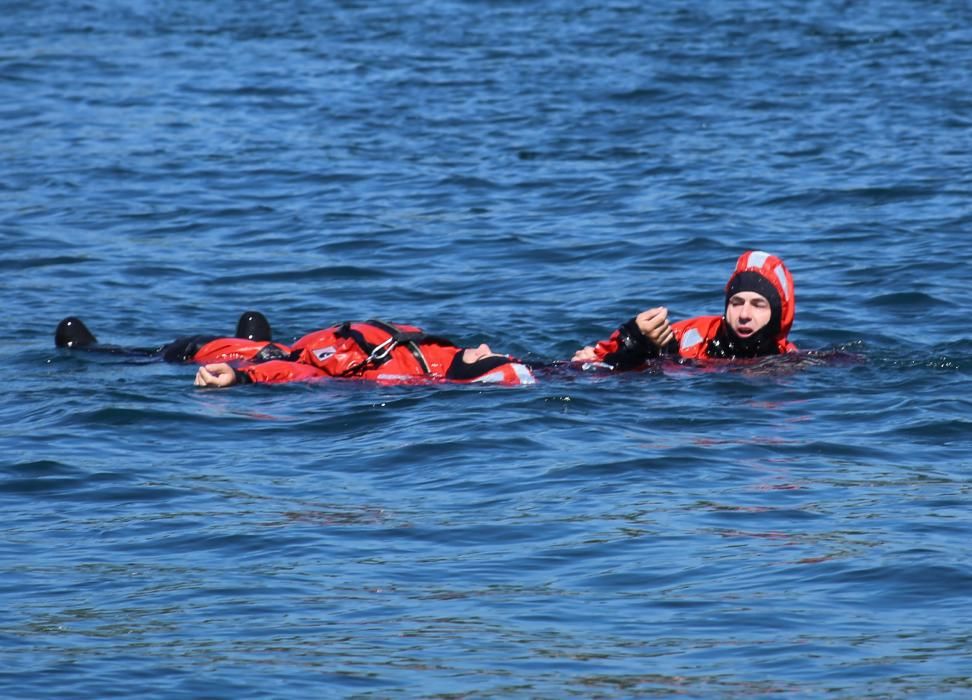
(633, 340)
(634, 349)
(242, 377)
(185, 348)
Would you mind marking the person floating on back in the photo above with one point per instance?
(759, 308)
(371, 350)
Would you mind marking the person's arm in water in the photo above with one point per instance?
(218, 374)
(221, 374)
(644, 337)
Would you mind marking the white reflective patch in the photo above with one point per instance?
(324, 353)
(690, 339)
(523, 373)
(782, 278)
(757, 258)
(596, 365)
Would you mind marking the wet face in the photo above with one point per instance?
(747, 312)
(473, 355)
(475, 362)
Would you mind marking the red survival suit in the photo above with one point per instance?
(375, 350)
(710, 337)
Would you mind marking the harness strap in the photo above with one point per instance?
(380, 354)
(408, 339)
(346, 331)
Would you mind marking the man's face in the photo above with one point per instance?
(473, 355)
(747, 312)
(475, 362)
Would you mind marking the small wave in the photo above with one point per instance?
(936, 432)
(319, 274)
(900, 582)
(23, 264)
(905, 300)
(54, 479)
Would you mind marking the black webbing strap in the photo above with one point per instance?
(409, 339)
(346, 331)
(380, 354)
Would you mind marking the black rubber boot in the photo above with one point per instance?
(254, 326)
(72, 333)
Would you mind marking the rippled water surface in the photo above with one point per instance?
(529, 174)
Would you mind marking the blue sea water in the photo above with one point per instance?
(528, 174)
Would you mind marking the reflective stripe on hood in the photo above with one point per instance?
(772, 269)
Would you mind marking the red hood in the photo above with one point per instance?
(772, 269)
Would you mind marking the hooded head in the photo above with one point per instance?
(765, 274)
(482, 365)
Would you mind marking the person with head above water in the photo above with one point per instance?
(759, 309)
(372, 350)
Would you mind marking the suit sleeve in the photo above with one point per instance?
(627, 348)
(277, 372)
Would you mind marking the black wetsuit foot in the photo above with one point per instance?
(254, 326)
(72, 333)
